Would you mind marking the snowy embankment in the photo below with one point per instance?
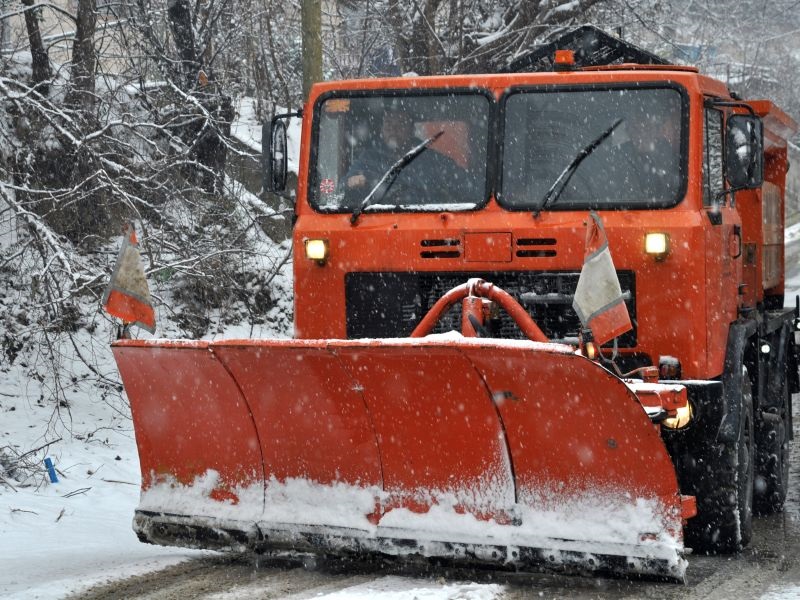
(56, 538)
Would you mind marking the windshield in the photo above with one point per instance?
(361, 138)
(640, 165)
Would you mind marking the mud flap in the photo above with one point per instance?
(491, 450)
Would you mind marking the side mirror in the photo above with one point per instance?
(276, 159)
(744, 152)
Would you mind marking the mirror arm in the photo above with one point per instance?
(720, 195)
(288, 115)
(714, 103)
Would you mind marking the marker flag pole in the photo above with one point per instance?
(127, 295)
(598, 297)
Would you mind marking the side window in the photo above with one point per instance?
(713, 183)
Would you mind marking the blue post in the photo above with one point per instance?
(51, 470)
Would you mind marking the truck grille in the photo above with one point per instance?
(383, 305)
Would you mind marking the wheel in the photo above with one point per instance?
(772, 459)
(721, 478)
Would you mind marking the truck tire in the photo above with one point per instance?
(722, 481)
(772, 459)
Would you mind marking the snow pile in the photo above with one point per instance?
(777, 592)
(598, 522)
(385, 588)
(76, 533)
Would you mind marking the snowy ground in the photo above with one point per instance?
(58, 539)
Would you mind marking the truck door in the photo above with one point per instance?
(723, 242)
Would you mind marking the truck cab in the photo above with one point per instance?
(687, 262)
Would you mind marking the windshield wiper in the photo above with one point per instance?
(391, 175)
(563, 179)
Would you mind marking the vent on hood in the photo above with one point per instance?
(535, 247)
(442, 248)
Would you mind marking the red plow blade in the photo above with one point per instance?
(508, 452)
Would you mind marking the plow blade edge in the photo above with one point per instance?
(509, 452)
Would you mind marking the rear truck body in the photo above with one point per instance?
(356, 437)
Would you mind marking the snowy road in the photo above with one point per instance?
(769, 569)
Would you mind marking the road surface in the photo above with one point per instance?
(768, 569)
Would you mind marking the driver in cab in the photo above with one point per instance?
(423, 180)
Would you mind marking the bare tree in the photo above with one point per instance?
(84, 57)
(457, 36)
(752, 47)
(40, 60)
(312, 44)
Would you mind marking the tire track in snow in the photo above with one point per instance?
(239, 578)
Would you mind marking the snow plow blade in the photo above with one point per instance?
(520, 453)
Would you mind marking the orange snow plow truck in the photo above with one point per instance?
(460, 385)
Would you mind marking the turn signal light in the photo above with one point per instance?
(657, 244)
(564, 60)
(317, 250)
(681, 419)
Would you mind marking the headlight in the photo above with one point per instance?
(317, 250)
(657, 244)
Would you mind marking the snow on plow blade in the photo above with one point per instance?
(484, 450)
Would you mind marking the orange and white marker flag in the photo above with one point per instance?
(598, 297)
(127, 295)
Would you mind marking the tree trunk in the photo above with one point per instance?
(41, 62)
(180, 20)
(312, 44)
(84, 57)
(415, 39)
